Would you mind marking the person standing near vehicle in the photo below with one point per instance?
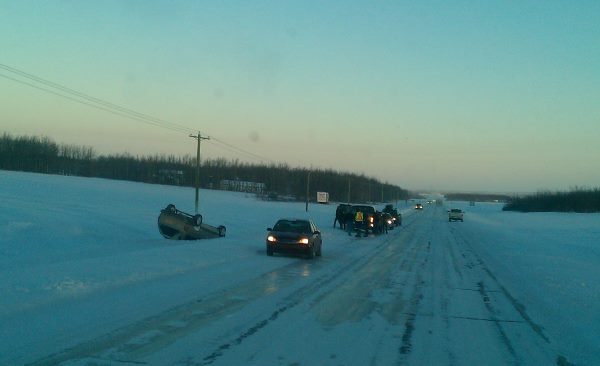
(359, 223)
(341, 213)
(349, 220)
(377, 221)
(384, 222)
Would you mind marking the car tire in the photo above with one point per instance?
(311, 252)
(319, 251)
(197, 219)
(269, 252)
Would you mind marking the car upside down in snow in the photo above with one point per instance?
(178, 225)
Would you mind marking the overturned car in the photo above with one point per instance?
(178, 225)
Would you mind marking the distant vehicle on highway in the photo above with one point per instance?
(455, 215)
(294, 235)
(418, 206)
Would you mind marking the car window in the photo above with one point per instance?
(302, 227)
(293, 226)
(282, 226)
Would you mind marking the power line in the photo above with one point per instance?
(89, 104)
(240, 150)
(85, 99)
(105, 104)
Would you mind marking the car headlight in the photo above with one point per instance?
(303, 241)
(389, 222)
(271, 239)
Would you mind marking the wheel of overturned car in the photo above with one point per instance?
(222, 230)
(197, 219)
(171, 208)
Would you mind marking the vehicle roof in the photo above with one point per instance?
(363, 207)
(294, 226)
(294, 220)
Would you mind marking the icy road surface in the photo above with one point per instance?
(418, 296)
(428, 293)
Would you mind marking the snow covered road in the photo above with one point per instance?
(428, 293)
(417, 296)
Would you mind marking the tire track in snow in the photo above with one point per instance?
(538, 329)
(421, 273)
(137, 340)
(374, 273)
(396, 271)
(522, 348)
(301, 295)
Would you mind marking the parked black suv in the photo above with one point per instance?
(396, 216)
(368, 219)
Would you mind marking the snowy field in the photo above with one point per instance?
(86, 279)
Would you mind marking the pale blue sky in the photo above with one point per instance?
(460, 95)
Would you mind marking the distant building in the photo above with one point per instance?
(242, 186)
(170, 176)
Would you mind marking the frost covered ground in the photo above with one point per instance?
(86, 279)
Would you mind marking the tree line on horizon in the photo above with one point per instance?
(477, 197)
(43, 155)
(581, 200)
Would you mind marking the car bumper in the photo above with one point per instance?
(289, 247)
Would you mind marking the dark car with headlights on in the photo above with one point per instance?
(294, 235)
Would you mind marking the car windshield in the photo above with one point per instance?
(295, 226)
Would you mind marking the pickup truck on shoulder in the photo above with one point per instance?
(455, 215)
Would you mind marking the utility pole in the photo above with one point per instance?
(198, 137)
(307, 189)
(348, 190)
